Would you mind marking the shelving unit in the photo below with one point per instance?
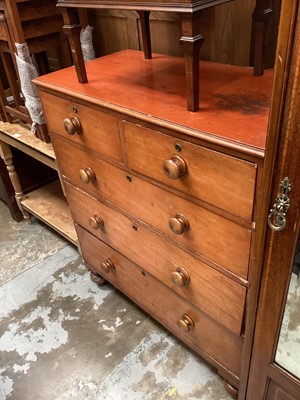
(48, 202)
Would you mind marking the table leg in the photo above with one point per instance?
(72, 29)
(260, 20)
(7, 157)
(191, 42)
(145, 25)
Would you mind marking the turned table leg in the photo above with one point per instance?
(7, 157)
(72, 29)
(260, 20)
(145, 26)
(191, 42)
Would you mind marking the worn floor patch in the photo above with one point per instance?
(23, 244)
(63, 337)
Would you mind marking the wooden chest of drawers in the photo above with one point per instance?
(164, 201)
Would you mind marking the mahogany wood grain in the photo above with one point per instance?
(213, 177)
(211, 236)
(207, 288)
(208, 338)
(235, 105)
(276, 249)
(99, 130)
(145, 26)
(228, 138)
(169, 5)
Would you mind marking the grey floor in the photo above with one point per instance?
(63, 337)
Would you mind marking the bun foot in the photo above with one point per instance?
(98, 279)
(231, 390)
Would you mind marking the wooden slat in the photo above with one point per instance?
(37, 9)
(45, 26)
(22, 134)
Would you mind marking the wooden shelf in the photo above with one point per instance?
(20, 136)
(48, 204)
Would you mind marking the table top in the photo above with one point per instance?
(153, 5)
(234, 104)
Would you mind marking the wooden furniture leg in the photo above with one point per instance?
(7, 157)
(260, 20)
(231, 390)
(3, 103)
(41, 62)
(7, 193)
(191, 42)
(72, 29)
(97, 279)
(145, 25)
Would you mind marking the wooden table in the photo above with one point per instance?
(191, 39)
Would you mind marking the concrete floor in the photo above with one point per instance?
(62, 337)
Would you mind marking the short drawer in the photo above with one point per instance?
(210, 235)
(87, 126)
(211, 291)
(218, 179)
(208, 338)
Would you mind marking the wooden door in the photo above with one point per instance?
(269, 378)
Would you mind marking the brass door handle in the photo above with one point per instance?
(72, 125)
(180, 277)
(87, 175)
(175, 167)
(277, 216)
(179, 224)
(185, 323)
(108, 266)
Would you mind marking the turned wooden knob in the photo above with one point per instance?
(180, 277)
(87, 175)
(108, 266)
(72, 125)
(175, 167)
(179, 224)
(185, 323)
(96, 222)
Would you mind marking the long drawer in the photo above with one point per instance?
(218, 179)
(212, 236)
(208, 338)
(87, 126)
(211, 291)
